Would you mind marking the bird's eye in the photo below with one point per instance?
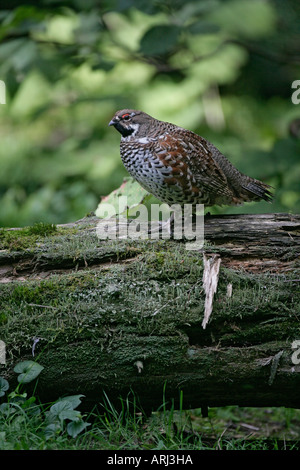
(126, 117)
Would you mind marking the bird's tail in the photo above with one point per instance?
(258, 190)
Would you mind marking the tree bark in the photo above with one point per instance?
(124, 316)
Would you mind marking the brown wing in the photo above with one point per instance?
(192, 163)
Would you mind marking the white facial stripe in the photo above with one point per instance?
(129, 137)
(135, 127)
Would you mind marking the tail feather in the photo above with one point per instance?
(259, 189)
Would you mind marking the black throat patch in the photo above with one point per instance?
(123, 130)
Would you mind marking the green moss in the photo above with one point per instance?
(158, 294)
(22, 239)
(110, 306)
(41, 229)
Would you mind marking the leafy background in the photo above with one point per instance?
(223, 69)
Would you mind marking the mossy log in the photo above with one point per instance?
(126, 316)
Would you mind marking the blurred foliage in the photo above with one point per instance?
(223, 69)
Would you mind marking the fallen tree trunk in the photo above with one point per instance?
(121, 316)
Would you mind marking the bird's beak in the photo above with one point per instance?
(112, 122)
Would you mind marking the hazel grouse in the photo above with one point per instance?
(178, 166)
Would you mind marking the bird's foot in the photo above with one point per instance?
(162, 228)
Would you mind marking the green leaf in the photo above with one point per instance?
(74, 400)
(72, 415)
(28, 371)
(51, 430)
(60, 407)
(133, 196)
(4, 386)
(5, 408)
(76, 427)
(64, 410)
(159, 39)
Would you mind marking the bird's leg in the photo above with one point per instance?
(169, 224)
(163, 227)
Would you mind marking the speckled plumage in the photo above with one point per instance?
(178, 166)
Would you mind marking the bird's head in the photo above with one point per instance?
(130, 122)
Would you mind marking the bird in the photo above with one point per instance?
(178, 166)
